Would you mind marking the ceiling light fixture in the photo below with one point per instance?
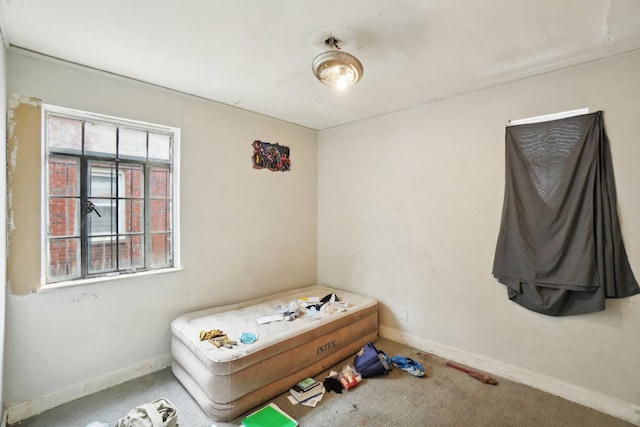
(335, 68)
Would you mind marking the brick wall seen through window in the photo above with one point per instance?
(110, 196)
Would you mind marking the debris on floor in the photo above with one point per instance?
(477, 375)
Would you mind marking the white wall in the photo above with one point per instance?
(3, 228)
(245, 233)
(409, 212)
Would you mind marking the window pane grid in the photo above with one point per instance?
(161, 253)
(63, 176)
(64, 217)
(102, 255)
(64, 256)
(112, 217)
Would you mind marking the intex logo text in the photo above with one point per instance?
(325, 347)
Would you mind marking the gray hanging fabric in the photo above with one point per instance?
(560, 249)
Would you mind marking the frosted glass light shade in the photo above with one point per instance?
(337, 69)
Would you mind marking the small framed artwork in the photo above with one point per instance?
(274, 157)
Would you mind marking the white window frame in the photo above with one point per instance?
(100, 207)
(175, 191)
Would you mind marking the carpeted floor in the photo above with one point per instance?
(445, 397)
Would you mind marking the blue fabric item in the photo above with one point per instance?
(370, 361)
(248, 338)
(407, 364)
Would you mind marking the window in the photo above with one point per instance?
(110, 198)
(103, 182)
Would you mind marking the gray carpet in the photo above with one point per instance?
(445, 397)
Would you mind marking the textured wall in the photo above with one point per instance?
(409, 212)
(3, 210)
(244, 233)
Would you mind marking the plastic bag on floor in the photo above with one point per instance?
(349, 377)
(159, 413)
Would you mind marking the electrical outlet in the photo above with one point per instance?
(404, 314)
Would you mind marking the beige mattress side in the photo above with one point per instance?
(225, 411)
(303, 351)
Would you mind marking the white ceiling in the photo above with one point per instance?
(257, 54)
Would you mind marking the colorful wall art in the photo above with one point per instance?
(274, 157)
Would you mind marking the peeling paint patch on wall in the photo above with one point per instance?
(23, 194)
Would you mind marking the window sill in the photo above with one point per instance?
(109, 278)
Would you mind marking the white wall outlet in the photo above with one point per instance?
(404, 314)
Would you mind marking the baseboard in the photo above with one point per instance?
(607, 404)
(21, 411)
(3, 420)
